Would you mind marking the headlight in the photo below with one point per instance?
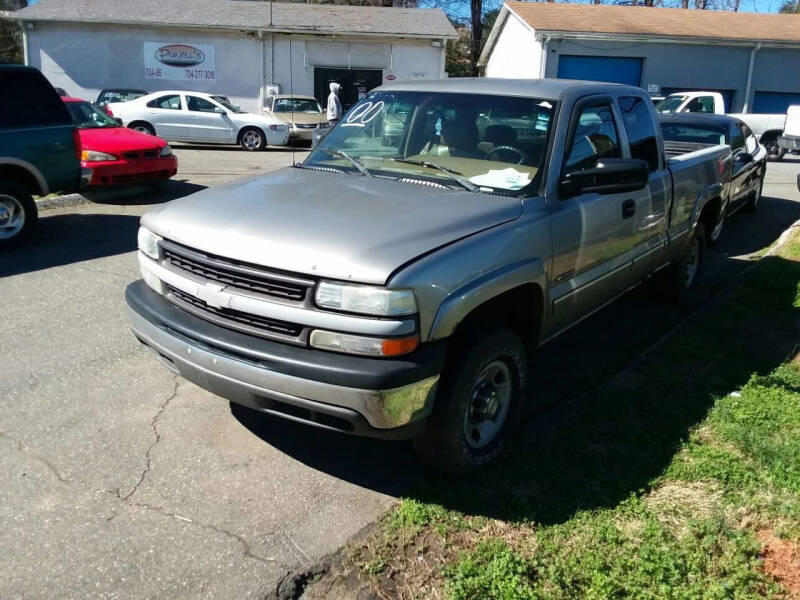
(324, 125)
(95, 156)
(356, 344)
(148, 242)
(366, 299)
(165, 151)
(278, 127)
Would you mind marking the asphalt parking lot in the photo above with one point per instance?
(120, 481)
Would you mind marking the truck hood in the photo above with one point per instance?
(345, 227)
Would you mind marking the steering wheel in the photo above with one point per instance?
(522, 156)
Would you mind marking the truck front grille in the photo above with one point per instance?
(239, 275)
(237, 320)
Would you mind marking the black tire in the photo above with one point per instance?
(754, 200)
(714, 234)
(675, 279)
(142, 127)
(472, 396)
(252, 139)
(774, 151)
(18, 214)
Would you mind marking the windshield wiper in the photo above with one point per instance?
(454, 175)
(357, 164)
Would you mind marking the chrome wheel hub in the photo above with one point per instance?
(490, 399)
(251, 139)
(12, 217)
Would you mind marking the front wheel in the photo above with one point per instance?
(478, 404)
(716, 232)
(755, 198)
(253, 140)
(18, 214)
(678, 278)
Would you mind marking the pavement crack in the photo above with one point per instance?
(154, 426)
(247, 550)
(40, 459)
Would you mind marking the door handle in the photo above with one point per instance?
(628, 208)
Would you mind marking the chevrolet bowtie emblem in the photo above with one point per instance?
(214, 295)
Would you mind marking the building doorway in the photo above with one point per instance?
(355, 84)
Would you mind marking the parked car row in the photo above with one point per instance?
(768, 128)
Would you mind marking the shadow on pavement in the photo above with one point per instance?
(227, 147)
(140, 195)
(577, 455)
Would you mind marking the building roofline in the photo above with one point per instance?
(10, 15)
(674, 39)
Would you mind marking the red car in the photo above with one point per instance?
(115, 155)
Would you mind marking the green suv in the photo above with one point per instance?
(39, 149)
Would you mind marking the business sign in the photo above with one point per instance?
(179, 61)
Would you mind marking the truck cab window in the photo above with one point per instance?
(595, 137)
(701, 104)
(737, 139)
(640, 129)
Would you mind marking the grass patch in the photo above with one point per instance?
(659, 485)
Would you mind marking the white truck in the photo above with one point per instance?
(767, 127)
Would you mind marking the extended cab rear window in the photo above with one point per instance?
(29, 100)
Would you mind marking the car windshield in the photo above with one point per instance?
(227, 104)
(109, 96)
(493, 144)
(301, 105)
(693, 133)
(671, 104)
(87, 116)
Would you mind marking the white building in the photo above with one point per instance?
(751, 59)
(242, 49)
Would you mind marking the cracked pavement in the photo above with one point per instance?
(119, 480)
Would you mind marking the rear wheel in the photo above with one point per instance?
(18, 215)
(253, 140)
(478, 404)
(774, 151)
(678, 278)
(142, 127)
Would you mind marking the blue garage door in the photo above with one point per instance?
(601, 68)
(727, 95)
(774, 102)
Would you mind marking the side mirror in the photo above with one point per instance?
(608, 176)
(119, 121)
(744, 158)
(218, 110)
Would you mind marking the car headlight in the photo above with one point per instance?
(366, 346)
(148, 242)
(95, 156)
(365, 299)
(278, 127)
(165, 151)
(324, 125)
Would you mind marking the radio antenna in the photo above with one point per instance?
(291, 93)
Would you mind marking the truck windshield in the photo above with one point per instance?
(493, 144)
(670, 104)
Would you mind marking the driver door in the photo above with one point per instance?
(593, 234)
(207, 121)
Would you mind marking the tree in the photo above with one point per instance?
(789, 7)
(10, 34)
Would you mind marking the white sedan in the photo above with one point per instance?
(198, 117)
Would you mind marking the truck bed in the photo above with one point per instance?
(681, 148)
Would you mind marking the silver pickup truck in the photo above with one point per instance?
(396, 287)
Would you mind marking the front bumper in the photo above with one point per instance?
(123, 172)
(789, 142)
(373, 397)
